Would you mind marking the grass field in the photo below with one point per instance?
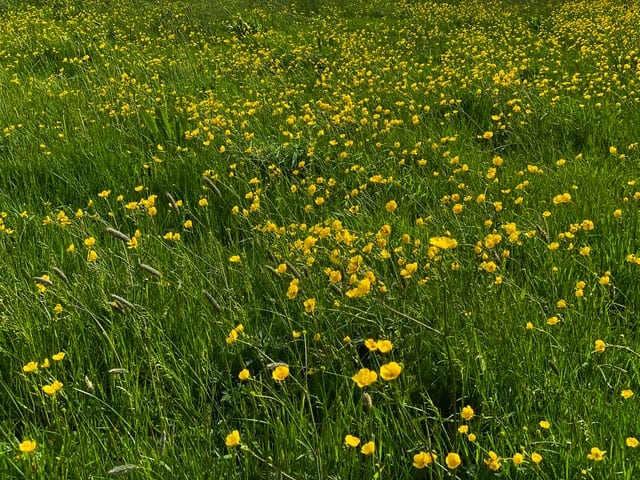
(319, 240)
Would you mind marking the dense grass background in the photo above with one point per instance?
(279, 132)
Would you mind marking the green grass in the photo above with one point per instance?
(279, 132)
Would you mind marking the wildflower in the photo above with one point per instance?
(390, 371)
(384, 346)
(463, 429)
(309, 305)
(364, 377)
(626, 394)
(351, 441)
(493, 462)
(596, 454)
(390, 206)
(368, 448)
(536, 458)
(335, 276)
(371, 344)
(45, 363)
(92, 256)
(234, 259)
(364, 286)
(58, 357)
(232, 337)
(600, 346)
(488, 135)
(517, 458)
(408, 270)
(471, 437)
(244, 375)
(529, 326)
(632, 442)
(452, 460)
(233, 439)
(553, 320)
(27, 446)
(188, 224)
(171, 236)
(71, 248)
(280, 373)
(544, 424)
(424, 459)
(467, 413)
(562, 198)
(52, 388)
(203, 202)
(617, 213)
(292, 291)
(30, 367)
(444, 243)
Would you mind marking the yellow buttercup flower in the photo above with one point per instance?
(30, 367)
(626, 394)
(364, 377)
(233, 439)
(351, 441)
(384, 346)
(596, 454)
(453, 460)
(493, 461)
(309, 305)
(368, 448)
(52, 388)
(424, 459)
(443, 243)
(391, 205)
(27, 446)
(371, 344)
(364, 286)
(390, 371)
(467, 413)
(280, 373)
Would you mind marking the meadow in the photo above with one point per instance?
(304, 239)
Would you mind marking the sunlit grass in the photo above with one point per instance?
(319, 240)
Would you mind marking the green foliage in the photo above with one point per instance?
(425, 211)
